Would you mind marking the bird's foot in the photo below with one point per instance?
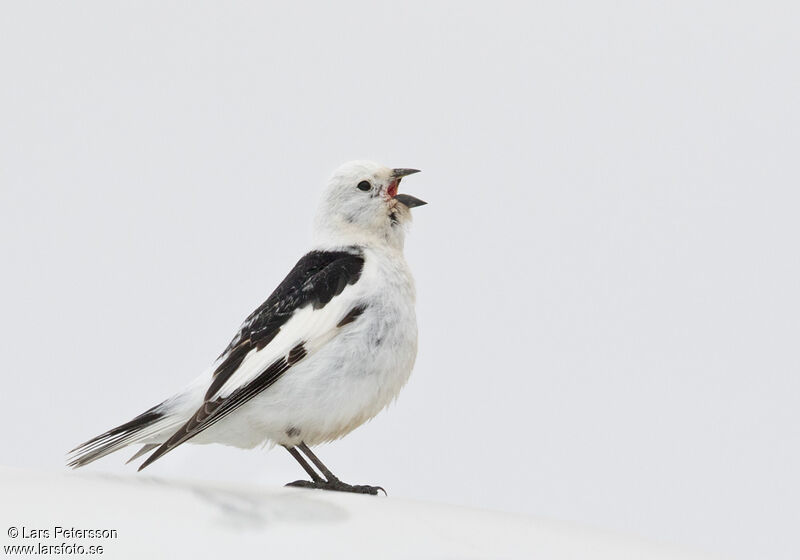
(337, 486)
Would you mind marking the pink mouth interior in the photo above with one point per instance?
(392, 189)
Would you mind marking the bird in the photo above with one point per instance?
(330, 348)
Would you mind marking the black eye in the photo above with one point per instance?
(364, 186)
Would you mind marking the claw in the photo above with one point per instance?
(338, 486)
(302, 484)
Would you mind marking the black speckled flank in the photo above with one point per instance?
(315, 280)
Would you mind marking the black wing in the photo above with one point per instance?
(315, 280)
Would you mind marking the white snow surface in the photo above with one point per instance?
(158, 518)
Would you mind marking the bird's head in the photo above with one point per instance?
(362, 205)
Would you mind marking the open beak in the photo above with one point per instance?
(402, 172)
(406, 199)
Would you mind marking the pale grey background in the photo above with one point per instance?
(607, 270)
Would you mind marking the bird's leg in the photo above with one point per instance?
(331, 481)
(319, 464)
(306, 467)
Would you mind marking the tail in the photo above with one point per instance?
(145, 426)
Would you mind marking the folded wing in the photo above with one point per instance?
(297, 319)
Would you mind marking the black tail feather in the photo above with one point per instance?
(113, 439)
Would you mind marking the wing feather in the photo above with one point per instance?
(315, 280)
(299, 317)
